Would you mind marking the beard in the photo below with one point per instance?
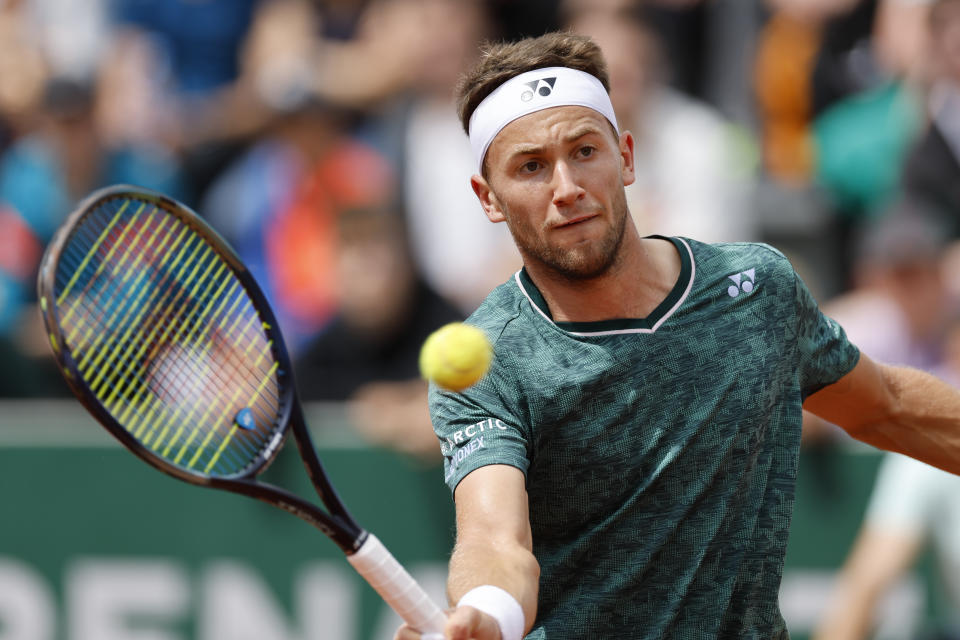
(583, 262)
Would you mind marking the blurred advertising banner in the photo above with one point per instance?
(96, 545)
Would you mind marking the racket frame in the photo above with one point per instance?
(336, 523)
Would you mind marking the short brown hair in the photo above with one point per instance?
(501, 61)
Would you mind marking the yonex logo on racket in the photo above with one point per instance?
(743, 281)
(542, 87)
(245, 419)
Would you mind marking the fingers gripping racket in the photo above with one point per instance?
(167, 340)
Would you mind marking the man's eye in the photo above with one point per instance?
(530, 167)
(586, 152)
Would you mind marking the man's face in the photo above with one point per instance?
(556, 177)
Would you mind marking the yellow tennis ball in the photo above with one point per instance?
(455, 356)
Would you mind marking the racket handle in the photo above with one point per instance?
(398, 588)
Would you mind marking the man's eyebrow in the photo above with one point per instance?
(523, 149)
(576, 134)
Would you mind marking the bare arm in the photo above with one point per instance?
(494, 543)
(494, 547)
(895, 408)
(878, 558)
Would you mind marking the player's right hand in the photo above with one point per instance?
(464, 623)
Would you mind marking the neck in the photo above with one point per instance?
(644, 273)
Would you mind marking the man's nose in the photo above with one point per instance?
(566, 188)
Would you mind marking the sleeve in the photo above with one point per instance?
(825, 353)
(476, 428)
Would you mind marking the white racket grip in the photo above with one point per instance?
(398, 588)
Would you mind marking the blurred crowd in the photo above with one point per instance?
(319, 137)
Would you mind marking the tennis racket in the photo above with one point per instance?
(165, 337)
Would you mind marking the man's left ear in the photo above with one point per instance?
(627, 171)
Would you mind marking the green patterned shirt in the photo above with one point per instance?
(660, 454)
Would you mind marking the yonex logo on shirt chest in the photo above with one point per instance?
(744, 281)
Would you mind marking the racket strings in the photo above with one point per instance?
(165, 303)
(126, 386)
(166, 337)
(178, 337)
(117, 304)
(188, 416)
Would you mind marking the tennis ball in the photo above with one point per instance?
(455, 356)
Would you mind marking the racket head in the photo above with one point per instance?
(165, 337)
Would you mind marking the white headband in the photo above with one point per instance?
(532, 91)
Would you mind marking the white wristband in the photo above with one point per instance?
(500, 605)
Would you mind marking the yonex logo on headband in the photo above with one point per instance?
(542, 87)
(532, 91)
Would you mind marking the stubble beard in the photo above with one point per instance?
(586, 262)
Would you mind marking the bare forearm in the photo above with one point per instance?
(923, 421)
(511, 567)
(493, 559)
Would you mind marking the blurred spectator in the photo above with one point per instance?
(461, 255)
(846, 60)
(199, 39)
(42, 176)
(72, 35)
(913, 505)
(861, 143)
(868, 107)
(898, 310)
(865, 44)
(196, 48)
(372, 59)
(866, 102)
(368, 355)
(683, 32)
(45, 172)
(23, 72)
(793, 212)
(382, 57)
(693, 174)
(837, 90)
(932, 170)
(900, 307)
(278, 201)
(278, 206)
(301, 238)
(814, 54)
(783, 75)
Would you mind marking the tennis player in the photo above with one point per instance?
(627, 467)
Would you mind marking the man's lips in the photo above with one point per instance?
(575, 220)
